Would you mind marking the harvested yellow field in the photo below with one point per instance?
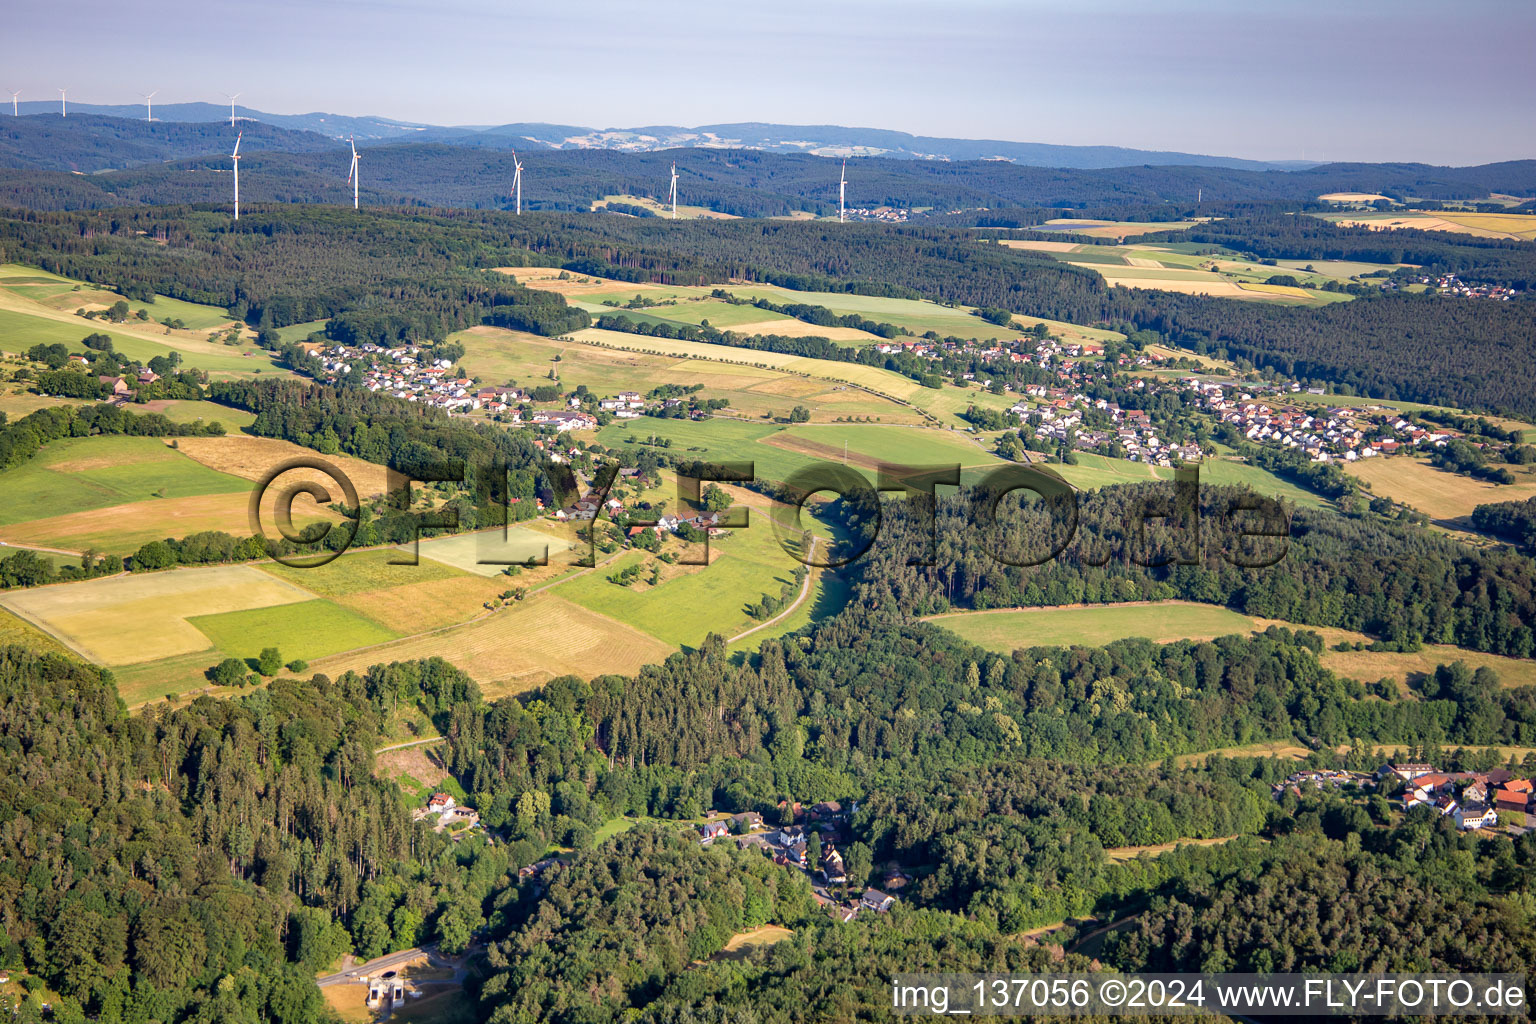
(518, 648)
(1024, 243)
(122, 529)
(1443, 496)
(253, 457)
(1290, 291)
(429, 604)
(126, 620)
(757, 938)
(1213, 285)
(790, 328)
(1353, 197)
(1482, 225)
(1515, 225)
(1116, 229)
(1407, 669)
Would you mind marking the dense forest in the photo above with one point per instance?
(1368, 573)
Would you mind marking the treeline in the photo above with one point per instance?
(1369, 574)
(1514, 521)
(24, 438)
(298, 264)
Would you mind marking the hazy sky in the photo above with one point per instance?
(1336, 79)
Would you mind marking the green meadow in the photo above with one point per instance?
(78, 474)
(306, 630)
(1164, 622)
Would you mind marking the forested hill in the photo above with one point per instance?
(88, 143)
(287, 264)
(179, 161)
(1366, 574)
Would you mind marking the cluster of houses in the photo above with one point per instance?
(1339, 434)
(1472, 799)
(626, 405)
(404, 372)
(1059, 416)
(1450, 284)
(790, 846)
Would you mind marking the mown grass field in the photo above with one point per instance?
(1111, 228)
(24, 323)
(122, 529)
(95, 472)
(1163, 622)
(1483, 225)
(57, 292)
(518, 648)
(684, 211)
(132, 619)
(1448, 498)
(510, 357)
(304, 629)
(485, 552)
(944, 403)
(1227, 471)
(188, 411)
(16, 630)
(1094, 625)
(1095, 471)
(686, 607)
(916, 315)
(358, 572)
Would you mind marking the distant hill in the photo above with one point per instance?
(115, 161)
(816, 140)
(88, 143)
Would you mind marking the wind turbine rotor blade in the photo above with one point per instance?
(237, 144)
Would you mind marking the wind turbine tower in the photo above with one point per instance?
(352, 172)
(15, 108)
(235, 156)
(842, 193)
(63, 109)
(517, 181)
(232, 107)
(149, 110)
(674, 191)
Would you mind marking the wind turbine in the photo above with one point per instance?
(517, 180)
(352, 175)
(63, 110)
(15, 110)
(235, 156)
(231, 107)
(149, 110)
(674, 191)
(842, 191)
